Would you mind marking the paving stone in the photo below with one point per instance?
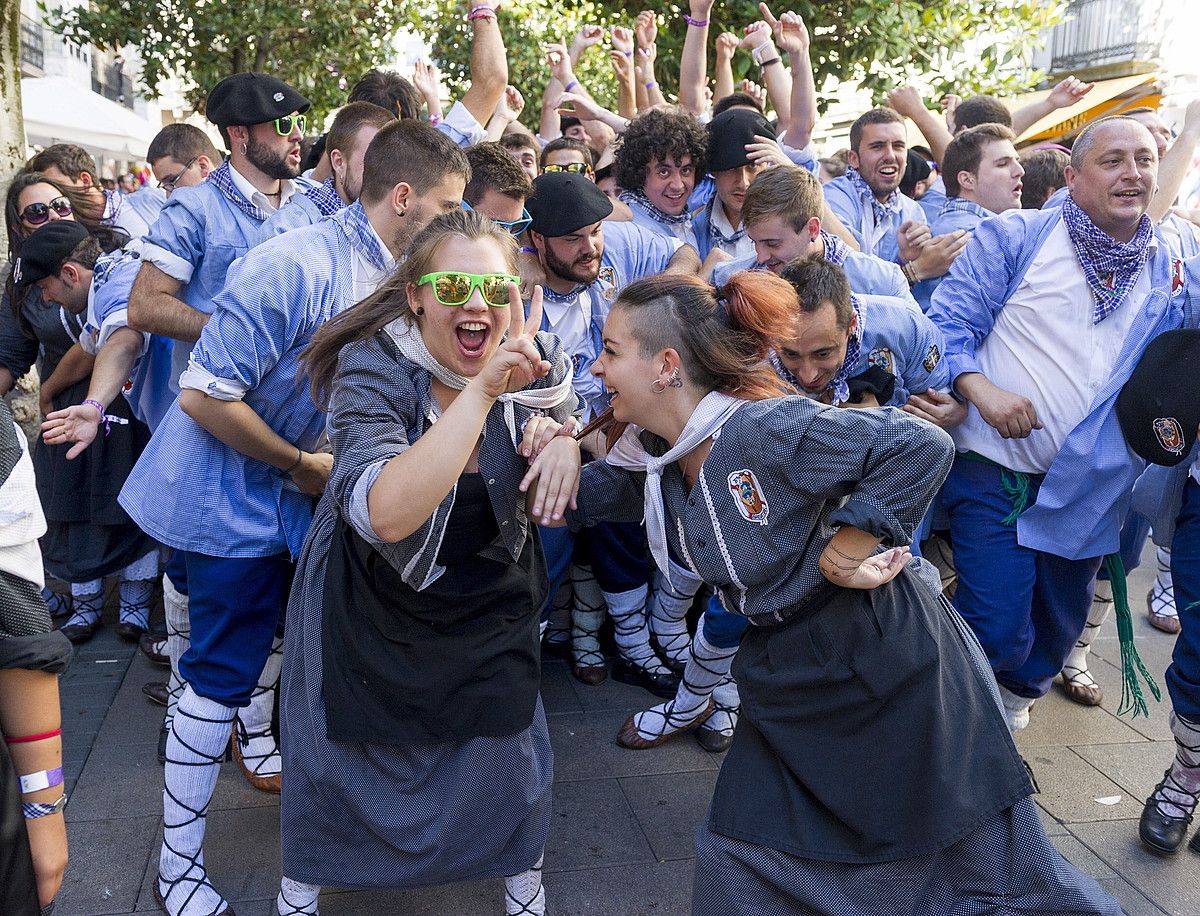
(1156, 726)
(613, 695)
(1132, 901)
(1070, 786)
(241, 853)
(558, 696)
(1056, 721)
(1169, 883)
(468, 898)
(670, 809)
(658, 889)
(593, 826)
(585, 747)
(124, 781)
(132, 719)
(108, 864)
(1054, 827)
(1137, 768)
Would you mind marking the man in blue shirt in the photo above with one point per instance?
(1045, 314)
(243, 449)
(353, 129)
(867, 198)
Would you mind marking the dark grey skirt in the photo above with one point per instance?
(1005, 866)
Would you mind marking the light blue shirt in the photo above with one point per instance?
(900, 340)
(149, 390)
(857, 216)
(196, 493)
(868, 275)
(298, 212)
(197, 236)
(1086, 491)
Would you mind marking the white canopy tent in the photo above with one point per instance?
(58, 110)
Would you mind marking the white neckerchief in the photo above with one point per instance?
(708, 417)
(408, 339)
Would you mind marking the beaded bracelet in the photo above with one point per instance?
(697, 23)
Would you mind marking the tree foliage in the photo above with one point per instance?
(880, 43)
(319, 46)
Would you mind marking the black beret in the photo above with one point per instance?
(1157, 408)
(46, 248)
(728, 134)
(252, 98)
(564, 201)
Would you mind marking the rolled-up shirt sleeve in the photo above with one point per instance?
(175, 243)
(461, 127)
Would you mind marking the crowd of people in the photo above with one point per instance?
(842, 459)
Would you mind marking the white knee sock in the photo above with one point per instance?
(1162, 595)
(587, 616)
(87, 601)
(260, 752)
(199, 735)
(179, 638)
(524, 894)
(1076, 666)
(1177, 795)
(668, 611)
(296, 898)
(630, 629)
(707, 667)
(727, 705)
(137, 590)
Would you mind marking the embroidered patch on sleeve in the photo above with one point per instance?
(882, 358)
(932, 358)
(748, 496)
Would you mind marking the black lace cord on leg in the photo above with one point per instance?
(196, 815)
(255, 762)
(523, 904)
(138, 607)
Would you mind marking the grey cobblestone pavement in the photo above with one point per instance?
(622, 833)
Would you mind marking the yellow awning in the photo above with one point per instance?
(1108, 97)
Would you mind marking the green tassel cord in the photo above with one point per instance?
(1132, 697)
(1016, 487)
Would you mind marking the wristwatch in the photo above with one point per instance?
(33, 810)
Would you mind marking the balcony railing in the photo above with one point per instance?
(1100, 32)
(111, 82)
(33, 46)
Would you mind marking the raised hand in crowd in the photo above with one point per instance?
(767, 152)
(508, 109)
(427, 81)
(645, 28)
(585, 38)
(754, 90)
(949, 104)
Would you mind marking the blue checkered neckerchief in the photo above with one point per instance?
(353, 221)
(104, 265)
(222, 177)
(326, 197)
(838, 386)
(882, 211)
(1110, 267)
(551, 296)
(961, 204)
(715, 235)
(835, 249)
(642, 202)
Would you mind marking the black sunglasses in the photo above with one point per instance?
(36, 214)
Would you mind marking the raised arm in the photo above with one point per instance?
(508, 109)
(727, 45)
(1064, 95)
(792, 39)
(625, 68)
(1176, 163)
(773, 74)
(693, 64)
(907, 101)
(489, 63)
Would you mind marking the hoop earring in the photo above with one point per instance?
(658, 386)
(245, 149)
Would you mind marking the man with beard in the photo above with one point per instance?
(587, 262)
(867, 198)
(352, 131)
(242, 449)
(1045, 315)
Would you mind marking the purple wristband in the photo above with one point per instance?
(571, 85)
(525, 249)
(651, 84)
(100, 410)
(698, 23)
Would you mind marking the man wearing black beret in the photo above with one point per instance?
(587, 262)
(740, 142)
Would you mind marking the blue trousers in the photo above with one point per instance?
(1183, 676)
(1027, 608)
(176, 570)
(721, 628)
(236, 605)
(616, 552)
(1133, 541)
